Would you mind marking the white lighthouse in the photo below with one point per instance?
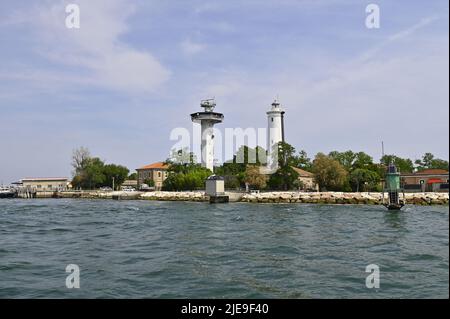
(275, 131)
(207, 119)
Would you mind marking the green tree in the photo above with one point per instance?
(77, 182)
(439, 164)
(428, 161)
(254, 178)
(117, 172)
(186, 177)
(329, 173)
(351, 160)
(149, 182)
(133, 177)
(363, 179)
(286, 154)
(363, 161)
(234, 170)
(404, 165)
(91, 172)
(285, 178)
(346, 159)
(303, 161)
(94, 176)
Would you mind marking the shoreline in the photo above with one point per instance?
(338, 198)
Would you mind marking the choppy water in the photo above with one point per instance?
(144, 249)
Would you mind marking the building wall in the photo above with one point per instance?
(423, 181)
(46, 185)
(309, 183)
(417, 179)
(157, 175)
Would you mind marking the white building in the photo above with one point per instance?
(46, 184)
(275, 132)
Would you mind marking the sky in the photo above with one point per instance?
(136, 69)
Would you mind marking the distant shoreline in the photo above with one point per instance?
(372, 198)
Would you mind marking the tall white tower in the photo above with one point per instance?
(207, 120)
(275, 130)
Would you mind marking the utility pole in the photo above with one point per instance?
(113, 183)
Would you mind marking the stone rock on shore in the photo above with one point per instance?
(175, 196)
(343, 198)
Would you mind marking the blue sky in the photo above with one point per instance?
(136, 69)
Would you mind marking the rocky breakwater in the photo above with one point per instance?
(427, 198)
(343, 198)
(175, 196)
(97, 195)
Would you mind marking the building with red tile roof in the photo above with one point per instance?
(157, 172)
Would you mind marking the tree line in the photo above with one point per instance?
(92, 173)
(336, 171)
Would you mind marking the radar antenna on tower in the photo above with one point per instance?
(208, 104)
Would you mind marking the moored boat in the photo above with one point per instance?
(7, 192)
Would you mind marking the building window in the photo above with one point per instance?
(159, 174)
(272, 119)
(49, 186)
(39, 186)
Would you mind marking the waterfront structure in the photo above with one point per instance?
(157, 172)
(207, 119)
(306, 180)
(275, 132)
(392, 187)
(129, 183)
(215, 189)
(48, 184)
(428, 180)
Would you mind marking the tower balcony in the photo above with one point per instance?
(207, 116)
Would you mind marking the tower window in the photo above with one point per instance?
(272, 119)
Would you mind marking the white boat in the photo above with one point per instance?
(7, 192)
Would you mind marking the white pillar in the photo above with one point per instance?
(208, 144)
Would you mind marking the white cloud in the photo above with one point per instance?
(96, 49)
(403, 34)
(409, 31)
